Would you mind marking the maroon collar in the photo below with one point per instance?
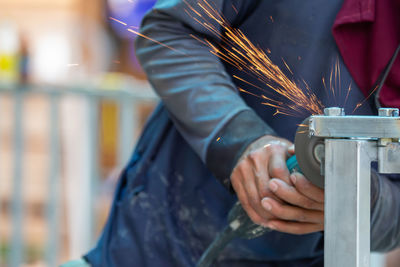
(367, 33)
(356, 11)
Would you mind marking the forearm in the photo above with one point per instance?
(193, 84)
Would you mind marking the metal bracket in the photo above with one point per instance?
(351, 144)
(389, 158)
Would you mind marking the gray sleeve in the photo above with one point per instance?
(193, 84)
(385, 215)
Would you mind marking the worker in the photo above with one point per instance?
(208, 144)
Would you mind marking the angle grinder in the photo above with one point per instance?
(308, 159)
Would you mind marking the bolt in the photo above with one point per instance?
(388, 112)
(334, 111)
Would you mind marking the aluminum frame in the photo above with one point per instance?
(347, 202)
(355, 126)
(351, 144)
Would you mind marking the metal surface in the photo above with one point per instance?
(347, 202)
(355, 126)
(334, 111)
(388, 112)
(309, 154)
(389, 158)
(351, 144)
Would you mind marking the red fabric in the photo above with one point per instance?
(367, 33)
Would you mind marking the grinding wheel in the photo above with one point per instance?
(309, 154)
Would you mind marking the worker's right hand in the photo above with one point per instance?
(263, 160)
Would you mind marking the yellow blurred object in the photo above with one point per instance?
(109, 133)
(113, 80)
(9, 67)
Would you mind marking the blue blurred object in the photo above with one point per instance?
(130, 12)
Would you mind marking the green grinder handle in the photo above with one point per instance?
(292, 164)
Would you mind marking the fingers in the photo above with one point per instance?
(277, 163)
(258, 161)
(244, 182)
(252, 191)
(242, 196)
(292, 196)
(296, 228)
(250, 178)
(301, 212)
(306, 188)
(292, 213)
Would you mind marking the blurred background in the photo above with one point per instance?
(73, 101)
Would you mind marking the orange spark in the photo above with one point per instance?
(303, 125)
(357, 106)
(247, 92)
(280, 112)
(249, 83)
(131, 29)
(234, 8)
(287, 66)
(305, 131)
(365, 99)
(116, 20)
(155, 41)
(237, 50)
(347, 95)
(271, 18)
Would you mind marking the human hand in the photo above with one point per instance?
(263, 160)
(301, 209)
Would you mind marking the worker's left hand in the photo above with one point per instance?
(302, 210)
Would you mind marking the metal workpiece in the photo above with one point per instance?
(347, 202)
(334, 111)
(388, 112)
(371, 127)
(338, 150)
(389, 158)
